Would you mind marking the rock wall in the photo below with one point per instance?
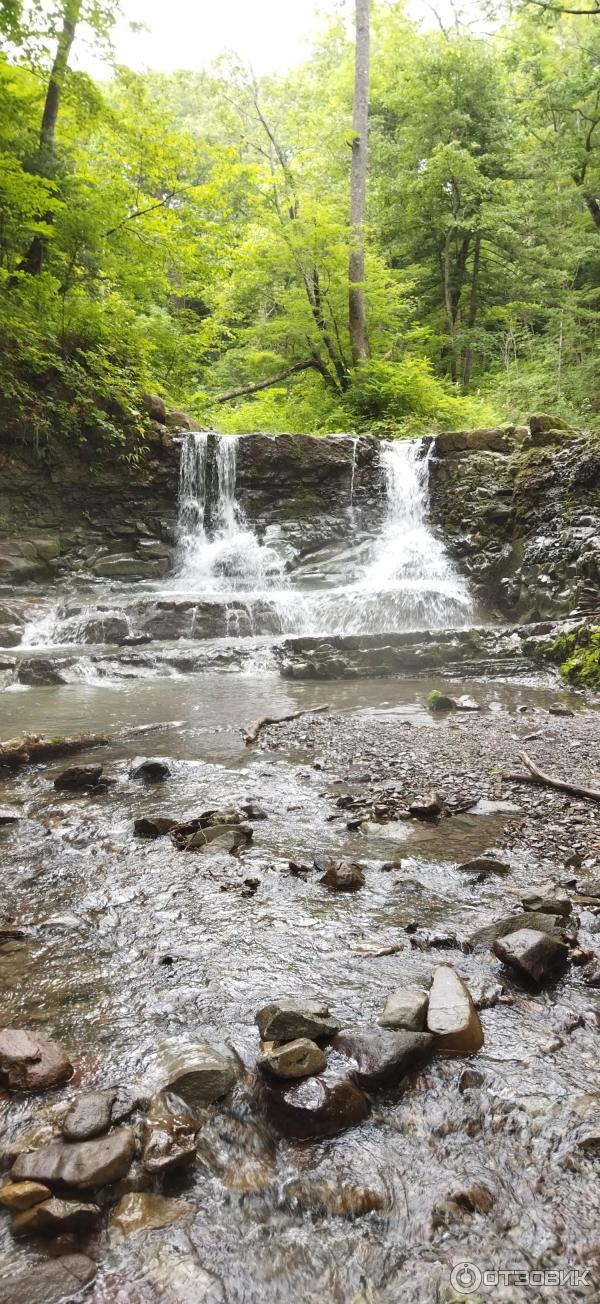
(520, 509)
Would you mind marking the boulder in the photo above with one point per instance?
(406, 1008)
(535, 955)
(440, 702)
(156, 408)
(149, 770)
(295, 1059)
(314, 1107)
(451, 1016)
(31, 1061)
(145, 1212)
(10, 635)
(169, 1141)
(197, 1073)
(547, 900)
(18, 1196)
(484, 865)
(554, 925)
(154, 826)
(82, 1164)
(78, 778)
(54, 1217)
(380, 1058)
(88, 1116)
(40, 1280)
(466, 703)
(37, 672)
(427, 808)
(342, 877)
(288, 1019)
(219, 838)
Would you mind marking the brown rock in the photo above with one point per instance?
(427, 808)
(340, 877)
(156, 826)
(315, 1107)
(378, 1058)
(547, 900)
(144, 1211)
(83, 1164)
(88, 1116)
(22, 1195)
(54, 1217)
(78, 777)
(535, 955)
(31, 1061)
(295, 1059)
(40, 1280)
(452, 1016)
(169, 1142)
(196, 1073)
(484, 865)
(288, 1018)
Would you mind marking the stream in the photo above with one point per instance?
(128, 943)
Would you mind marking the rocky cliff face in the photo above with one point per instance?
(520, 508)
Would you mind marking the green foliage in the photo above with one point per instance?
(578, 656)
(196, 234)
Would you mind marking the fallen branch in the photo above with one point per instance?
(266, 384)
(535, 775)
(250, 735)
(31, 748)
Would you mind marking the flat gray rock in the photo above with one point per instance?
(406, 1008)
(535, 955)
(379, 1057)
(289, 1018)
(82, 1164)
(39, 1280)
(197, 1073)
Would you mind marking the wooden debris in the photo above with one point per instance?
(250, 735)
(535, 775)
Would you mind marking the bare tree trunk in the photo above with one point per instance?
(357, 317)
(34, 258)
(473, 309)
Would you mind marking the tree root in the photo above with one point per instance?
(536, 775)
(250, 735)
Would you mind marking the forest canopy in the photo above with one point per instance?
(189, 234)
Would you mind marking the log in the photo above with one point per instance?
(29, 749)
(535, 775)
(250, 735)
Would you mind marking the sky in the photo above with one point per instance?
(272, 35)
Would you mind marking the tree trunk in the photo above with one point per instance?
(45, 163)
(358, 188)
(473, 309)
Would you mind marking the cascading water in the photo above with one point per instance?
(403, 580)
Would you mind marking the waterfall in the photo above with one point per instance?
(403, 580)
(233, 560)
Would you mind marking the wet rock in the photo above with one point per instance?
(427, 808)
(484, 865)
(149, 770)
(54, 1217)
(451, 1015)
(169, 1141)
(82, 1164)
(8, 815)
(535, 955)
(144, 1212)
(37, 1280)
(548, 901)
(127, 566)
(591, 972)
(18, 1196)
(552, 924)
(406, 1008)
(220, 837)
(88, 1116)
(466, 1201)
(78, 778)
(196, 1073)
(558, 708)
(342, 1201)
(31, 1061)
(466, 703)
(295, 1059)
(287, 1019)
(154, 826)
(440, 702)
(470, 1080)
(252, 811)
(342, 877)
(126, 1101)
(378, 1057)
(315, 1107)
